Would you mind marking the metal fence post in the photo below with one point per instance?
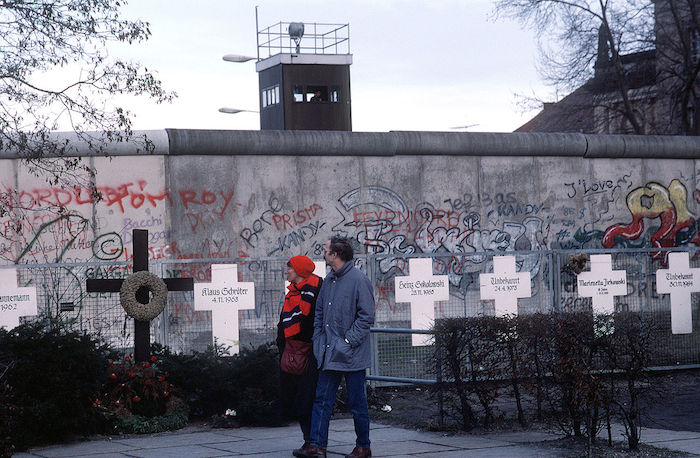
(438, 376)
(371, 273)
(556, 272)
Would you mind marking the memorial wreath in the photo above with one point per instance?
(134, 308)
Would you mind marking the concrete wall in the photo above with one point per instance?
(230, 205)
(393, 193)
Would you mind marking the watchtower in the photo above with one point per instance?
(304, 76)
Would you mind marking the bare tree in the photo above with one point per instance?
(678, 53)
(578, 37)
(55, 73)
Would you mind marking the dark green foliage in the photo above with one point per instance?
(52, 379)
(8, 412)
(213, 382)
(256, 373)
(142, 389)
(175, 417)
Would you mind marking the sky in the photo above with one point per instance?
(417, 65)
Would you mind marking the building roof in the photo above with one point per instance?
(574, 113)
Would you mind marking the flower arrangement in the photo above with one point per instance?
(139, 388)
(226, 420)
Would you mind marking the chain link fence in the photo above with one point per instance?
(62, 295)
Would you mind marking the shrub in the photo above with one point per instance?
(470, 360)
(256, 373)
(50, 372)
(8, 413)
(213, 381)
(205, 379)
(175, 416)
(631, 349)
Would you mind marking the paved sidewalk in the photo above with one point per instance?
(192, 442)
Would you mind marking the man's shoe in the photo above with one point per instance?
(309, 452)
(359, 452)
(299, 451)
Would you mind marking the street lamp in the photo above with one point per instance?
(237, 58)
(235, 110)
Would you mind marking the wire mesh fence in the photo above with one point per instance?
(62, 296)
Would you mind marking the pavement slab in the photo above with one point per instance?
(387, 441)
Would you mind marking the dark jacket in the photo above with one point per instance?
(344, 310)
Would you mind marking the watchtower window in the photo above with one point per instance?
(317, 93)
(298, 93)
(270, 96)
(335, 94)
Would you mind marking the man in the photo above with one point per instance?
(344, 315)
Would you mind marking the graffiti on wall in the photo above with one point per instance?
(660, 218)
(463, 229)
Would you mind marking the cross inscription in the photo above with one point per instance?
(602, 283)
(421, 289)
(225, 296)
(15, 301)
(142, 329)
(679, 280)
(504, 286)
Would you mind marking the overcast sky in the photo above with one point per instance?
(417, 65)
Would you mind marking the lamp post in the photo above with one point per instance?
(236, 110)
(237, 58)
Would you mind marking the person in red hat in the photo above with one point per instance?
(298, 366)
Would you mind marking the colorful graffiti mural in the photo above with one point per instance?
(461, 224)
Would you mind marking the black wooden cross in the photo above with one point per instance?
(142, 329)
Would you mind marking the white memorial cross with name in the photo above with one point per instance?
(679, 280)
(504, 286)
(421, 289)
(15, 301)
(602, 283)
(225, 296)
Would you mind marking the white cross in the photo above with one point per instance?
(421, 289)
(15, 301)
(505, 286)
(224, 296)
(679, 280)
(602, 283)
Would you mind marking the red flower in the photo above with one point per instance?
(117, 403)
(112, 375)
(131, 373)
(153, 358)
(146, 364)
(166, 393)
(94, 404)
(137, 399)
(161, 378)
(126, 359)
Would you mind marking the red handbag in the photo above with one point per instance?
(295, 357)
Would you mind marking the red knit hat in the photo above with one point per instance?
(302, 265)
